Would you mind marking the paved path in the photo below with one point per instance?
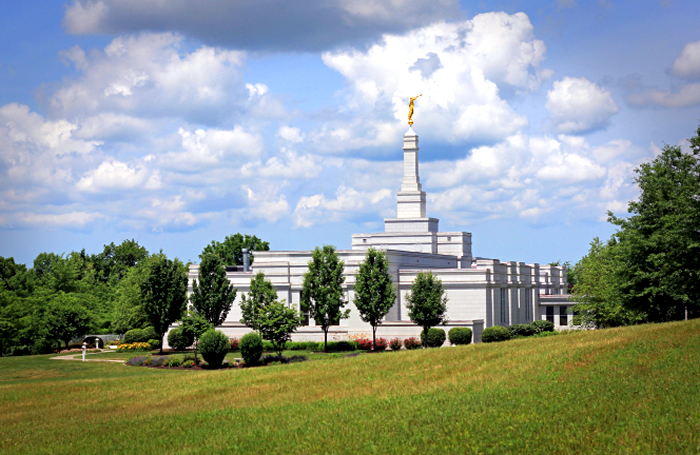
(79, 357)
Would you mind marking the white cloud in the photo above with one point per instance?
(67, 220)
(688, 95)
(115, 175)
(462, 69)
(266, 204)
(290, 134)
(578, 105)
(287, 165)
(687, 65)
(317, 208)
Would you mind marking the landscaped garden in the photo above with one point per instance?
(627, 390)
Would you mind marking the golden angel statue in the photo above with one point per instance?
(410, 109)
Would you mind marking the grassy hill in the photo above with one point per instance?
(632, 390)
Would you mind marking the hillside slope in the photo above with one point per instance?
(631, 390)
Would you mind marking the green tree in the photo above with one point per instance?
(261, 295)
(598, 289)
(374, 291)
(114, 262)
(129, 311)
(322, 292)
(277, 322)
(213, 296)
(195, 325)
(164, 293)
(659, 243)
(67, 318)
(230, 250)
(426, 302)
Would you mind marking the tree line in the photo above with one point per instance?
(649, 270)
(61, 297)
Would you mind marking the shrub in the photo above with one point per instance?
(155, 344)
(251, 348)
(173, 362)
(276, 359)
(341, 346)
(213, 344)
(542, 326)
(189, 356)
(188, 363)
(460, 335)
(380, 344)
(436, 338)
(133, 347)
(365, 344)
(303, 346)
(234, 344)
(135, 336)
(42, 346)
(395, 344)
(149, 333)
(495, 333)
(180, 339)
(411, 343)
(521, 330)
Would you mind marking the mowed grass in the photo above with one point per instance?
(632, 390)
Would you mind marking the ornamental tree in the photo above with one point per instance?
(322, 292)
(67, 317)
(164, 293)
(277, 322)
(374, 290)
(426, 302)
(261, 295)
(213, 296)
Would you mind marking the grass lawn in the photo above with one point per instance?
(633, 390)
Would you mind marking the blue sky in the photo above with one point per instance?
(177, 123)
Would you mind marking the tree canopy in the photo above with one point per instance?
(426, 302)
(231, 249)
(213, 295)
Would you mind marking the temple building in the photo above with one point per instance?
(481, 292)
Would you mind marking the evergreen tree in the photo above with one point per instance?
(374, 291)
(322, 292)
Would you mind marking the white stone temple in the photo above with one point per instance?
(481, 292)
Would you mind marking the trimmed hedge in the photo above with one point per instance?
(179, 339)
(460, 335)
(436, 338)
(542, 326)
(140, 335)
(251, 348)
(213, 345)
(521, 330)
(495, 333)
(155, 344)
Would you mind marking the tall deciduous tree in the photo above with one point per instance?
(322, 292)
(597, 289)
(659, 243)
(213, 296)
(231, 249)
(374, 291)
(426, 302)
(67, 317)
(164, 293)
(261, 295)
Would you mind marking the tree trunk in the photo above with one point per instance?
(374, 337)
(325, 340)
(162, 335)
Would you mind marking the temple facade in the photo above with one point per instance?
(481, 292)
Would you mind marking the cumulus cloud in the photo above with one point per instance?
(115, 175)
(153, 75)
(687, 65)
(579, 106)
(317, 208)
(462, 68)
(309, 25)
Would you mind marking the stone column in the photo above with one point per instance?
(411, 199)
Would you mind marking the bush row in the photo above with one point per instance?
(498, 333)
(140, 335)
